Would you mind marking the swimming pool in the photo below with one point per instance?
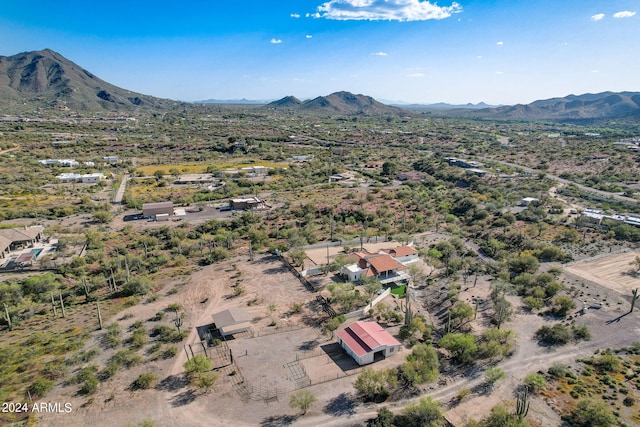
(36, 252)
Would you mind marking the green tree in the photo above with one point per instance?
(461, 346)
(303, 400)
(371, 286)
(375, 385)
(592, 413)
(206, 380)
(422, 365)
(523, 263)
(389, 168)
(198, 364)
(563, 304)
(425, 413)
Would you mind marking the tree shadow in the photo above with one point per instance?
(278, 421)
(308, 345)
(275, 270)
(183, 398)
(631, 273)
(173, 383)
(341, 405)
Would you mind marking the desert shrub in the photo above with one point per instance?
(40, 387)
(554, 335)
(144, 381)
(558, 370)
(169, 352)
(138, 285)
(112, 336)
(592, 413)
(90, 385)
(581, 333)
(535, 382)
(167, 334)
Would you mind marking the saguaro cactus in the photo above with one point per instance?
(7, 316)
(99, 314)
(178, 322)
(522, 404)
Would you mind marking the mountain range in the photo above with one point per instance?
(336, 103)
(45, 79)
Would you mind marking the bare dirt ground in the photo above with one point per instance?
(614, 272)
(285, 349)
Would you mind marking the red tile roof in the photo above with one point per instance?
(402, 251)
(381, 263)
(365, 337)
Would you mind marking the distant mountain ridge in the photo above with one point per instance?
(335, 103)
(45, 78)
(604, 105)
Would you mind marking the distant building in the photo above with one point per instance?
(300, 159)
(158, 208)
(528, 200)
(247, 204)
(367, 341)
(88, 178)
(68, 163)
(110, 159)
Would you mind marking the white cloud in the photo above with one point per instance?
(276, 41)
(384, 10)
(295, 15)
(498, 72)
(598, 17)
(595, 71)
(379, 53)
(500, 43)
(415, 75)
(623, 14)
(309, 36)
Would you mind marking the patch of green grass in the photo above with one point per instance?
(399, 290)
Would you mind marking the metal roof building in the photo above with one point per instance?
(366, 341)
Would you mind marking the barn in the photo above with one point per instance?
(153, 209)
(232, 321)
(367, 342)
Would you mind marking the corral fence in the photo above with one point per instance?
(307, 284)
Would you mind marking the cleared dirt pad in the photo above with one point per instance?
(613, 272)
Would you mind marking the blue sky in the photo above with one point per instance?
(499, 51)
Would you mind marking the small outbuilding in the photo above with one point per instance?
(367, 341)
(232, 321)
(247, 203)
(159, 208)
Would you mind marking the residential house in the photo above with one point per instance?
(381, 265)
(19, 238)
